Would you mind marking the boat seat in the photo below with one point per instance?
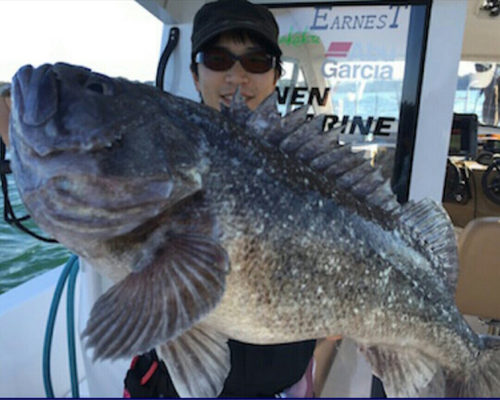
(478, 289)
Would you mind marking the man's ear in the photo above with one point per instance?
(196, 80)
(277, 76)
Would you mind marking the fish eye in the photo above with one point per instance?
(98, 84)
(96, 87)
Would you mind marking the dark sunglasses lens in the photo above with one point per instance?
(217, 60)
(258, 62)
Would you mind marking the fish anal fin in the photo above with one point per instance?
(198, 362)
(180, 282)
(405, 372)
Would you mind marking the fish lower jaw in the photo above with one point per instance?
(65, 219)
(115, 194)
(64, 202)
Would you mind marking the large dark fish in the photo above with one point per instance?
(238, 225)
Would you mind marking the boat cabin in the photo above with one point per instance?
(413, 84)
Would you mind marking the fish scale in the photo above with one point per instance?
(320, 221)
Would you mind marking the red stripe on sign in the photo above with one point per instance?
(339, 49)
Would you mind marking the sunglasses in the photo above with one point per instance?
(219, 59)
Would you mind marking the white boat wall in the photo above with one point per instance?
(23, 317)
(24, 312)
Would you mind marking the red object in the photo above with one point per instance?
(147, 376)
(338, 49)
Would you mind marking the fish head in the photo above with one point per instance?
(95, 156)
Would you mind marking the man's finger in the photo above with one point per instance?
(5, 107)
(334, 338)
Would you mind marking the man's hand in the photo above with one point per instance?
(5, 107)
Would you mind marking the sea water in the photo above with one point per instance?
(22, 257)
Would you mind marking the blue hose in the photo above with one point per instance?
(70, 320)
(71, 267)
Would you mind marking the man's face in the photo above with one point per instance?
(218, 87)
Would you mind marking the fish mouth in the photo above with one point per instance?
(58, 108)
(36, 93)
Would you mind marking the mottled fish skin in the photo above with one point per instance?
(152, 188)
(304, 266)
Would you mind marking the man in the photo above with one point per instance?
(224, 31)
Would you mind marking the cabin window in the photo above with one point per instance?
(477, 92)
(475, 128)
(357, 64)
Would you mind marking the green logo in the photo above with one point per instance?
(297, 39)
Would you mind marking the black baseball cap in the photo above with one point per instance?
(225, 15)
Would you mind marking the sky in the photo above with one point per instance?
(114, 37)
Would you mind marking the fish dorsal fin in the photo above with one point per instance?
(176, 283)
(345, 174)
(198, 362)
(265, 122)
(291, 121)
(307, 133)
(342, 171)
(237, 111)
(432, 227)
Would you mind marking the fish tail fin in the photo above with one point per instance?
(484, 378)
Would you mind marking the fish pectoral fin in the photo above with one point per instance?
(180, 283)
(405, 372)
(198, 362)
